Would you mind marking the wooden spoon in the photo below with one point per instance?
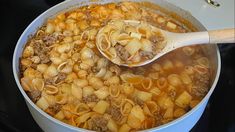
(177, 40)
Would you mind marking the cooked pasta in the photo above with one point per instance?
(64, 74)
(124, 46)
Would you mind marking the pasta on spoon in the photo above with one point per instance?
(134, 43)
(129, 43)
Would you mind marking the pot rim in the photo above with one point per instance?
(16, 77)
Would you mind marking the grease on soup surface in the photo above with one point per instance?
(65, 75)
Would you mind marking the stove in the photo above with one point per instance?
(14, 115)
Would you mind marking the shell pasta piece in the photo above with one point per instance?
(101, 106)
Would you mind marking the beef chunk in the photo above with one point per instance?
(60, 77)
(99, 124)
(122, 52)
(49, 81)
(49, 39)
(146, 55)
(115, 113)
(41, 50)
(34, 95)
(52, 110)
(90, 98)
(156, 39)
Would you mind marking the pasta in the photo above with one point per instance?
(64, 74)
(124, 46)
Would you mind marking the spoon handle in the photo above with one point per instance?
(222, 36)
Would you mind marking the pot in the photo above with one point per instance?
(48, 123)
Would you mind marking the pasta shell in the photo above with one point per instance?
(127, 88)
(188, 50)
(148, 123)
(162, 83)
(113, 37)
(50, 89)
(126, 106)
(87, 53)
(147, 83)
(203, 61)
(38, 84)
(200, 69)
(103, 42)
(123, 39)
(61, 99)
(118, 100)
(131, 78)
(153, 107)
(81, 109)
(101, 73)
(83, 118)
(26, 83)
(114, 90)
(76, 91)
(64, 68)
(155, 91)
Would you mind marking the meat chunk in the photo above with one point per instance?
(49, 81)
(60, 77)
(98, 123)
(156, 39)
(90, 98)
(44, 58)
(41, 50)
(52, 110)
(49, 39)
(146, 55)
(34, 95)
(201, 84)
(139, 102)
(122, 52)
(115, 112)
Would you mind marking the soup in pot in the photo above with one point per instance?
(64, 74)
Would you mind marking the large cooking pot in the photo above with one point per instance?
(49, 124)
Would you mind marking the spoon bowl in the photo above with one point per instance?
(176, 40)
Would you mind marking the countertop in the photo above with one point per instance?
(211, 17)
(17, 14)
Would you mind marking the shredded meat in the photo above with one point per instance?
(49, 39)
(122, 52)
(41, 50)
(34, 66)
(60, 77)
(49, 81)
(90, 98)
(201, 84)
(139, 102)
(155, 39)
(98, 124)
(54, 109)
(34, 95)
(147, 55)
(115, 112)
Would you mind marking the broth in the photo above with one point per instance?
(65, 75)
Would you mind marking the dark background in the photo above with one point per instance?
(15, 15)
